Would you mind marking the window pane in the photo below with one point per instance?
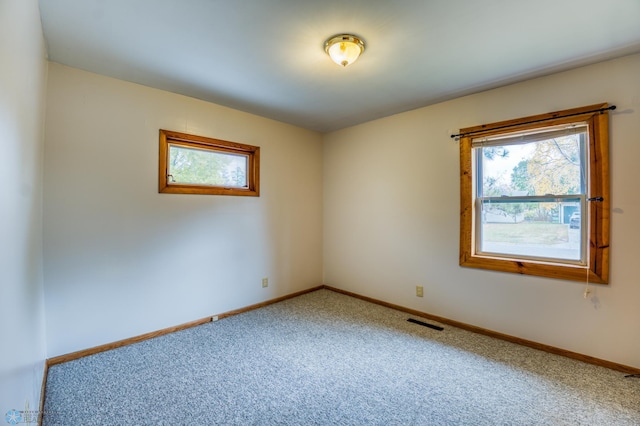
(552, 166)
(207, 167)
(547, 230)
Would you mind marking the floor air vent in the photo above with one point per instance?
(435, 327)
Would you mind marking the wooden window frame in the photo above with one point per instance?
(597, 244)
(168, 137)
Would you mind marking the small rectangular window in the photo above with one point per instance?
(197, 165)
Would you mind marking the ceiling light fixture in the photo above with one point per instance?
(344, 49)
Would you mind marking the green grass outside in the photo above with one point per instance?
(526, 232)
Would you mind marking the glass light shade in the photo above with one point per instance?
(344, 49)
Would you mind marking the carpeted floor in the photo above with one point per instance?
(328, 359)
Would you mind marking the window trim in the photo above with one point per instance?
(598, 221)
(168, 137)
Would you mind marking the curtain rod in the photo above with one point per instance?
(600, 110)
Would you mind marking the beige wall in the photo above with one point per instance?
(391, 217)
(122, 259)
(22, 93)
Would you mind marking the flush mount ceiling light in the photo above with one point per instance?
(344, 49)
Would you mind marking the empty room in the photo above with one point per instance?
(302, 212)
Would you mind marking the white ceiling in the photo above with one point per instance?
(266, 56)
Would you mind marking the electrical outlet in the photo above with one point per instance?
(419, 291)
(265, 282)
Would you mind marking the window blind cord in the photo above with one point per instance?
(587, 289)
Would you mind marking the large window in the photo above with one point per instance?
(197, 165)
(535, 195)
